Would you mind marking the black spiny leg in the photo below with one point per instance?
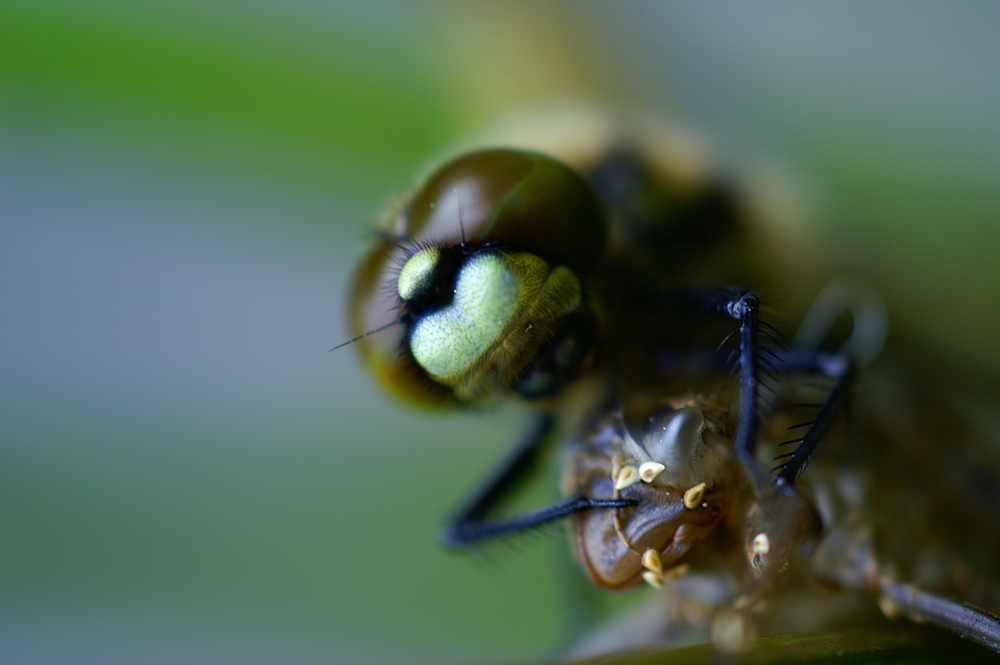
(469, 524)
(843, 371)
(744, 306)
(745, 309)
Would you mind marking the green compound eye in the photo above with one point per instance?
(499, 299)
(494, 300)
(417, 273)
(488, 295)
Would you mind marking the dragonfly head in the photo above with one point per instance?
(485, 271)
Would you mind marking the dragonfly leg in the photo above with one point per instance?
(847, 556)
(843, 371)
(744, 306)
(469, 524)
(842, 294)
(963, 619)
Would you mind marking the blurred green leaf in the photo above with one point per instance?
(240, 86)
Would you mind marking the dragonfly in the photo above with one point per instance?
(608, 273)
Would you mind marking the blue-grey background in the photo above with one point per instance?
(187, 475)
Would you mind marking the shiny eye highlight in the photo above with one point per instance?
(417, 273)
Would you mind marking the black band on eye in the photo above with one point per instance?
(440, 287)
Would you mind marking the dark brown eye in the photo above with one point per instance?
(527, 200)
(495, 249)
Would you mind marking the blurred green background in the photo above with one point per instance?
(188, 475)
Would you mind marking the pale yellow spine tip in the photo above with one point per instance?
(693, 497)
(651, 560)
(648, 471)
(627, 476)
(653, 579)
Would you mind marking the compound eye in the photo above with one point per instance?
(417, 275)
(519, 201)
(522, 199)
(501, 309)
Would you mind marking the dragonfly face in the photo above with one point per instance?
(485, 272)
(612, 265)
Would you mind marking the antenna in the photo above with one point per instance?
(370, 332)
